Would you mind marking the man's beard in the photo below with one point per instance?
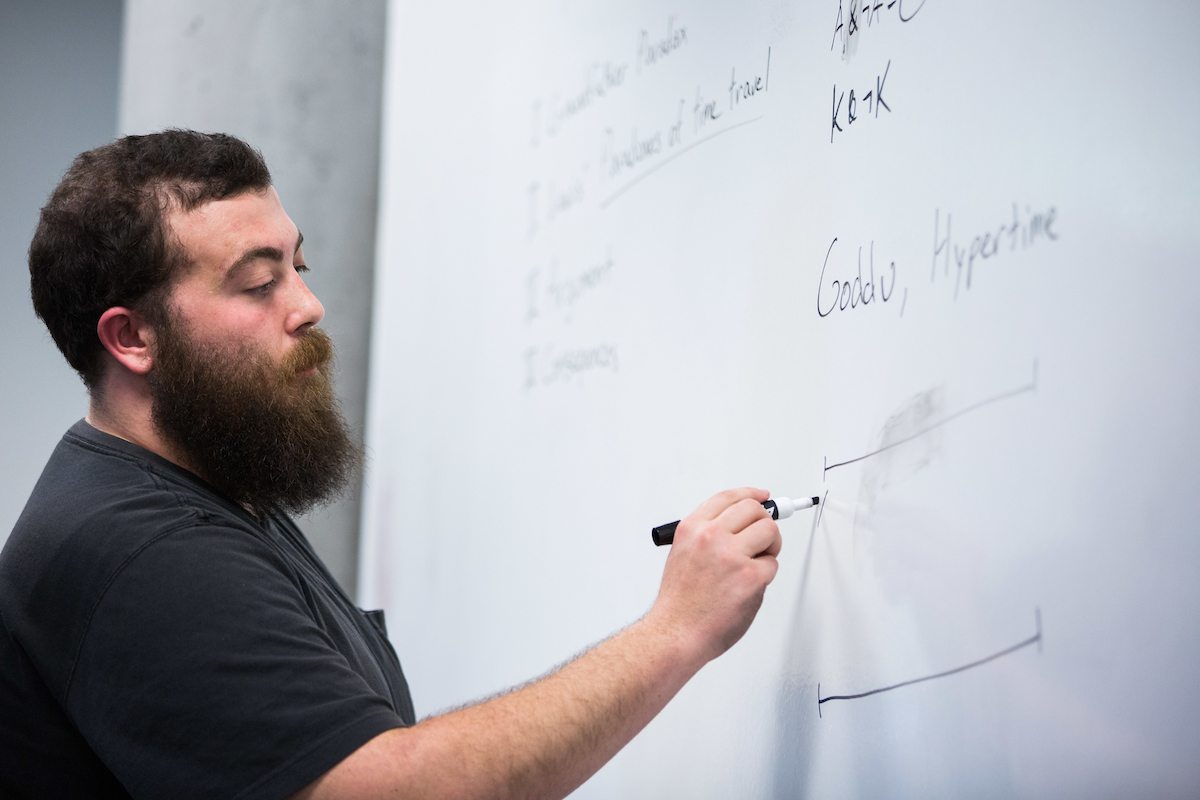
(259, 431)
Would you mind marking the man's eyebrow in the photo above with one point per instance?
(250, 256)
(269, 253)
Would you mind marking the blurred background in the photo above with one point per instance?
(298, 79)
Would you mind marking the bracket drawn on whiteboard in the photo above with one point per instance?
(606, 202)
(1035, 639)
(1011, 393)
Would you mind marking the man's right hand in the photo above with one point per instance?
(721, 561)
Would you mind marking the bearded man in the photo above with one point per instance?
(165, 628)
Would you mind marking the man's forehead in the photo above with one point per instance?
(219, 232)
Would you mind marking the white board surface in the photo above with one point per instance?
(934, 262)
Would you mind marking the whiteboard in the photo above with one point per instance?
(933, 262)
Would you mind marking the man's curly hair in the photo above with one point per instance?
(103, 239)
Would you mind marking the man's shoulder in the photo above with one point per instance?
(98, 492)
(97, 508)
(98, 503)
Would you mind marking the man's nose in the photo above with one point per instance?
(306, 308)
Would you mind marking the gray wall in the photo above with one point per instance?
(301, 81)
(59, 65)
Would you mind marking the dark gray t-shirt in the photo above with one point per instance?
(156, 640)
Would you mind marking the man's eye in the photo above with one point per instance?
(302, 268)
(264, 289)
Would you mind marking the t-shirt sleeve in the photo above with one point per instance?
(204, 674)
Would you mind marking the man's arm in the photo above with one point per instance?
(544, 740)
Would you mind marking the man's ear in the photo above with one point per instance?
(128, 338)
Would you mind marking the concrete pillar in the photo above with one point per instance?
(301, 81)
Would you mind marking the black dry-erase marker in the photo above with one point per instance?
(780, 508)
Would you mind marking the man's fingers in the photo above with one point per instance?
(768, 567)
(714, 506)
(760, 538)
(741, 515)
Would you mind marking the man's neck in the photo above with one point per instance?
(124, 411)
(138, 429)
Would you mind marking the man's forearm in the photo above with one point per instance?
(541, 741)
(545, 739)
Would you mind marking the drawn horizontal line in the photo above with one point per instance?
(1035, 639)
(608, 200)
(1032, 386)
